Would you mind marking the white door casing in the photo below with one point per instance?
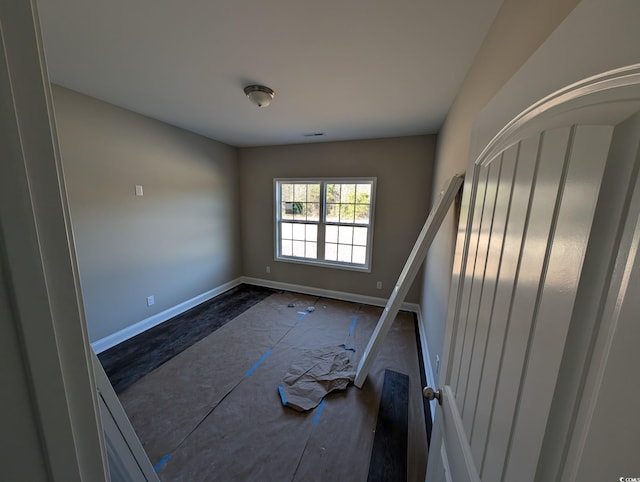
(533, 206)
(40, 277)
(50, 404)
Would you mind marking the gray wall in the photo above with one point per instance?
(403, 167)
(179, 240)
(518, 30)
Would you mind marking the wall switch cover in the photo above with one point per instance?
(139, 191)
(379, 285)
(150, 300)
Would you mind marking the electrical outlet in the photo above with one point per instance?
(379, 285)
(150, 300)
(268, 269)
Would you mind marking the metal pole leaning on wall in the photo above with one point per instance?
(408, 274)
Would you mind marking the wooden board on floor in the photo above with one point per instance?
(389, 452)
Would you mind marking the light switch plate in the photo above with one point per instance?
(139, 191)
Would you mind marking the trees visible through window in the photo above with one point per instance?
(325, 221)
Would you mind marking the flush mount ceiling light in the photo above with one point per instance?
(259, 95)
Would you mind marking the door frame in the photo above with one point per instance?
(39, 262)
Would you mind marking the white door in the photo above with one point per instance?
(540, 233)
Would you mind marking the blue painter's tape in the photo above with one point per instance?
(162, 462)
(353, 324)
(258, 363)
(316, 419)
(282, 395)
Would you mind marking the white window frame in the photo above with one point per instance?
(322, 223)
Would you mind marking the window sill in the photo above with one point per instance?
(324, 264)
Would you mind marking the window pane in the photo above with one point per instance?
(294, 209)
(347, 193)
(286, 192)
(333, 213)
(286, 211)
(345, 234)
(344, 253)
(311, 232)
(287, 248)
(313, 212)
(331, 234)
(360, 236)
(333, 193)
(331, 252)
(299, 211)
(298, 249)
(298, 231)
(347, 212)
(286, 230)
(359, 254)
(300, 192)
(363, 193)
(311, 250)
(362, 213)
(313, 193)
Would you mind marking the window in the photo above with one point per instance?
(325, 221)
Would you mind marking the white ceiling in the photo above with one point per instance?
(351, 69)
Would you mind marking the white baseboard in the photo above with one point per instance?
(130, 331)
(118, 337)
(426, 359)
(337, 295)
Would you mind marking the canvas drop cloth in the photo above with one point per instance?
(317, 373)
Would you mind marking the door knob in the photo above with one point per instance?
(431, 394)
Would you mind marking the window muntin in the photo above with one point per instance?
(326, 221)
